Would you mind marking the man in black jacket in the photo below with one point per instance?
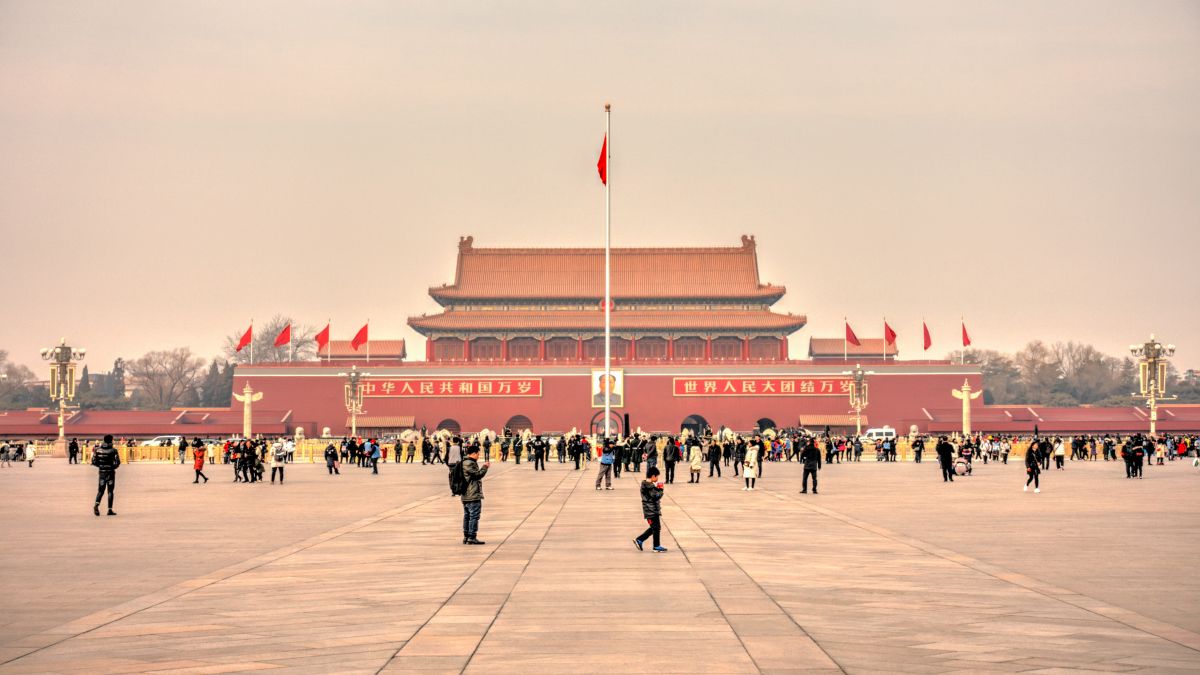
(472, 496)
(106, 460)
(670, 456)
(945, 453)
(811, 457)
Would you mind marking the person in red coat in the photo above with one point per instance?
(198, 464)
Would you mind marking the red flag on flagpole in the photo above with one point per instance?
(323, 338)
(966, 338)
(284, 337)
(851, 337)
(360, 338)
(246, 338)
(889, 335)
(928, 340)
(602, 165)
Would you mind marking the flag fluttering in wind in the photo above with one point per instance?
(928, 340)
(602, 165)
(851, 337)
(247, 338)
(966, 338)
(323, 338)
(360, 338)
(284, 337)
(889, 335)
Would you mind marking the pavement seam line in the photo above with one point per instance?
(145, 602)
(757, 585)
(1044, 589)
(524, 568)
(472, 574)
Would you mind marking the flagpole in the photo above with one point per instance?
(368, 340)
(607, 270)
(962, 327)
(329, 341)
(885, 339)
(251, 341)
(845, 339)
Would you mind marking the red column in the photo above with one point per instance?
(428, 349)
(541, 349)
(633, 349)
(579, 349)
(708, 348)
(466, 349)
(783, 346)
(503, 349)
(670, 349)
(745, 349)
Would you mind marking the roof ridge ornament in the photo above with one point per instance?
(465, 243)
(748, 241)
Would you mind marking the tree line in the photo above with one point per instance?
(1065, 374)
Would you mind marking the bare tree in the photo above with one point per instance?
(164, 379)
(304, 345)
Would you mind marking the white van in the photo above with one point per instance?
(883, 433)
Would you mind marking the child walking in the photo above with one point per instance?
(652, 492)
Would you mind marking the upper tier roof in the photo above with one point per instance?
(556, 273)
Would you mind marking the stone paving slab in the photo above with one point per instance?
(765, 581)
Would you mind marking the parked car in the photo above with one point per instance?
(159, 441)
(880, 434)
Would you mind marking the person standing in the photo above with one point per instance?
(695, 460)
(651, 455)
(472, 497)
(606, 465)
(376, 454)
(30, 453)
(750, 465)
(670, 456)
(714, 458)
(540, 448)
(1060, 453)
(918, 447)
(945, 454)
(278, 460)
(106, 460)
(652, 492)
(811, 457)
(1033, 467)
(198, 456)
(73, 452)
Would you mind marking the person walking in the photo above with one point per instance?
(472, 496)
(278, 461)
(652, 492)
(670, 456)
(811, 457)
(695, 459)
(1033, 467)
(1060, 453)
(106, 460)
(198, 457)
(30, 453)
(606, 465)
(376, 454)
(945, 454)
(73, 452)
(918, 448)
(331, 460)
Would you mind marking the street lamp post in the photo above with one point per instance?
(354, 391)
(1152, 375)
(858, 394)
(62, 385)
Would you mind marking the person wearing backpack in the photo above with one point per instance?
(471, 483)
(606, 465)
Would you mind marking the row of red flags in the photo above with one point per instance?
(322, 338)
(889, 335)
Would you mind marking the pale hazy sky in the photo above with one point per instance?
(1033, 165)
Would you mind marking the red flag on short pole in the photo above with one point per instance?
(851, 337)
(360, 338)
(323, 338)
(246, 338)
(928, 340)
(602, 165)
(966, 338)
(889, 335)
(284, 337)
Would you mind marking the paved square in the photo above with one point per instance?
(887, 570)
